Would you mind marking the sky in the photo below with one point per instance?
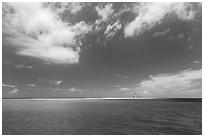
(101, 50)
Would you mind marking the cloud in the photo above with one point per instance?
(196, 62)
(180, 37)
(72, 7)
(151, 14)
(13, 91)
(170, 38)
(37, 31)
(7, 85)
(31, 85)
(23, 66)
(111, 30)
(73, 89)
(192, 40)
(171, 84)
(110, 21)
(58, 82)
(120, 76)
(161, 33)
(116, 86)
(54, 82)
(125, 77)
(105, 11)
(117, 75)
(125, 89)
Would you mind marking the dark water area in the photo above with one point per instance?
(102, 117)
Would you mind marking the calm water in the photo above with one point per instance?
(102, 117)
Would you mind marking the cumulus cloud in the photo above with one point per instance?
(116, 86)
(21, 66)
(7, 85)
(73, 89)
(125, 77)
(31, 85)
(180, 37)
(170, 38)
(191, 40)
(111, 30)
(196, 62)
(37, 31)
(72, 7)
(13, 91)
(58, 82)
(54, 82)
(120, 76)
(111, 19)
(105, 11)
(117, 75)
(168, 84)
(125, 89)
(150, 14)
(161, 33)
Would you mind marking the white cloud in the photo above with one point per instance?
(21, 66)
(105, 12)
(55, 82)
(7, 85)
(73, 7)
(120, 76)
(161, 33)
(150, 14)
(109, 20)
(168, 84)
(98, 25)
(170, 38)
(125, 89)
(111, 30)
(73, 89)
(117, 75)
(116, 86)
(192, 41)
(125, 77)
(13, 91)
(58, 82)
(180, 37)
(37, 31)
(196, 62)
(31, 85)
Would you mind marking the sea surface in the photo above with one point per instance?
(102, 117)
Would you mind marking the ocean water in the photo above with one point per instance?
(101, 117)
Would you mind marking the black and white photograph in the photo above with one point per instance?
(101, 68)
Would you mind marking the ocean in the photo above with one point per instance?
(102, 117)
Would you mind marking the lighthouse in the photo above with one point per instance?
(135, 96)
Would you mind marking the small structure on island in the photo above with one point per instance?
(136, 96)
